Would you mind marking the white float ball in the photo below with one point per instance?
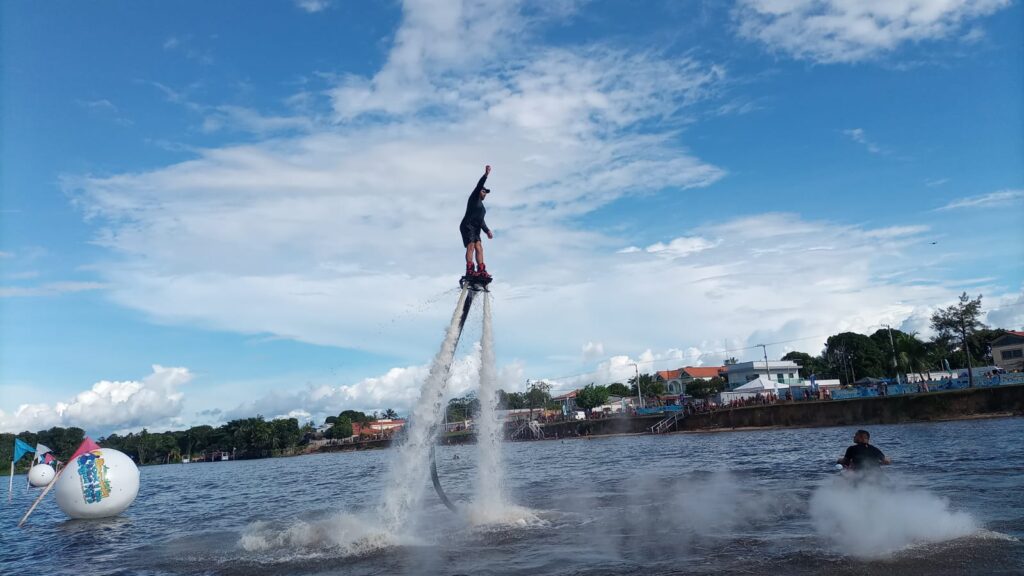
(40, 475)
(98, 484)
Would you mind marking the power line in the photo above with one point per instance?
(699, 356)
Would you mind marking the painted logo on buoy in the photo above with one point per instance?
(92, 471)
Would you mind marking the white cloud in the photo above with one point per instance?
(831, 31)
(680, 247)
(313, 6)
(897, 231)
(593, 351)
(105, 108)
(859, 136)
(247, 120)
(108, 405)
(50, 289)
(990, 200)
(1006, 311)
(398, 388)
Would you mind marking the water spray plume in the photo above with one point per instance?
(410, 466)
(489, 500)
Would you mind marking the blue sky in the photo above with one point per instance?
(218, 210)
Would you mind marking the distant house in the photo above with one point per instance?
(1008, 351)
(568, 401)
(676, 380)
(375, 427)
(782, 371)
(386, 425)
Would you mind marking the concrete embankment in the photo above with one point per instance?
(933, 406)
(949, 405)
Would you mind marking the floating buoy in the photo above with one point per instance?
(40, 475)
(98, 484)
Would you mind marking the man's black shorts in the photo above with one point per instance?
(470, 234)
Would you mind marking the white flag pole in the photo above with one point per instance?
(41, 496)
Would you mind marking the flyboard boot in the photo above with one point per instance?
(475, 279)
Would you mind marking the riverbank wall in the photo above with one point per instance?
(925, 407)
(929, 406)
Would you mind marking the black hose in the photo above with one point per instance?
(437, 482)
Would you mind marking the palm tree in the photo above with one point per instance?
(390, 414)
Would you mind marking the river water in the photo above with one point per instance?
(757, 502)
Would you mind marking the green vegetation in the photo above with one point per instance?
(62, 441)
(244, 438)
(702, 389)
(649, 384)
(618, 389)
(342, 428)
(590, 397)
(961, 340)
(960, 321)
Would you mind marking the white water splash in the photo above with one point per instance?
(874, 520)
(489, 503)
(409, 467)
(340, 534)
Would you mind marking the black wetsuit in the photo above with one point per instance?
(473, 221)
(863, 457)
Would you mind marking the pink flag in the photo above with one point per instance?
(87, 445)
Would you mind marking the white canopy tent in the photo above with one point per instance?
(759, 385)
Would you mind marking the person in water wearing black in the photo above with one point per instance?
(862, 455)
(472, 224)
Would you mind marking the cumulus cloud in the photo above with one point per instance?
(990, 200)
(838, 31)
(398, 388)
(108, 405)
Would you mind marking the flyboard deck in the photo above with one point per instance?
(472, 285)
(475, 283)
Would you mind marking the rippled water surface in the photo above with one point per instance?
(759, 502)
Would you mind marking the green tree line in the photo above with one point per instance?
(961, 340)
(244, 438)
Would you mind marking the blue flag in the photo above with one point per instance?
(21, 448)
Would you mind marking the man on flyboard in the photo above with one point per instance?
(472, 224)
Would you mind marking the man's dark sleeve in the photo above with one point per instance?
(483, 226)
(879, 455)
(480, 184)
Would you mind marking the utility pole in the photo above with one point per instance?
(767, 369)
(967, 352)
(639, 393)
(895, 366)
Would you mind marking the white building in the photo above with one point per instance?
(782, 371)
